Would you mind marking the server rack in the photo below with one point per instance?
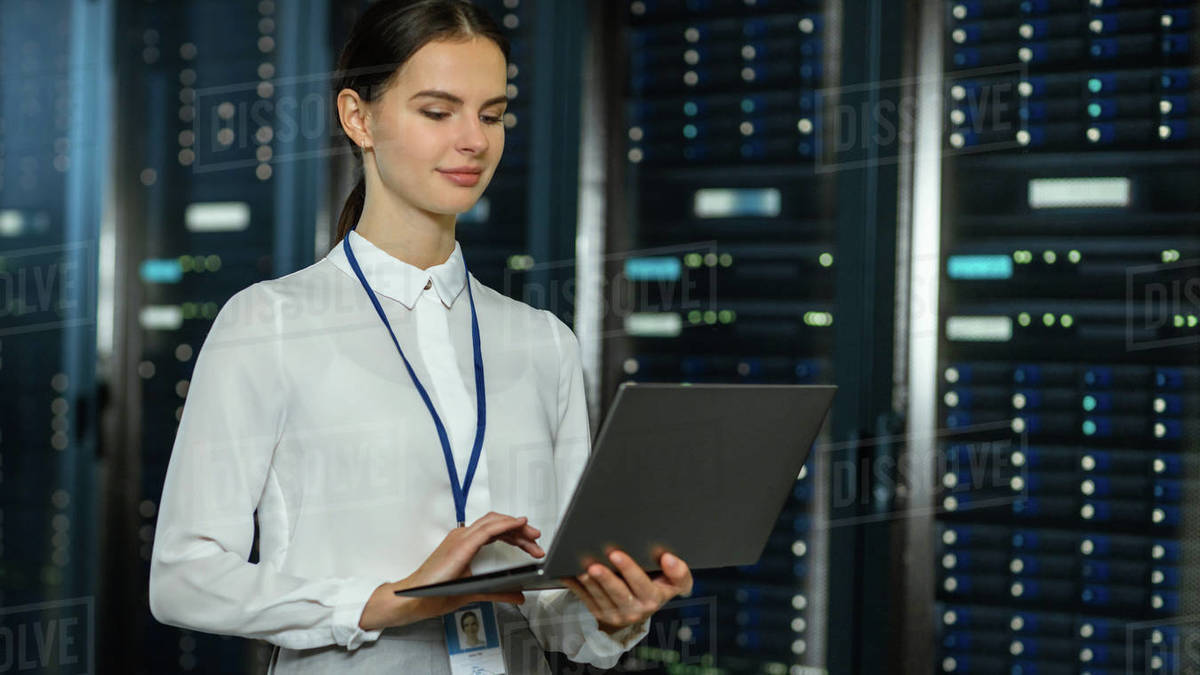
(225, 121)
(1068, 356)
(51, 143)
(721, 269)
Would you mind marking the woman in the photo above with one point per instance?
(469, 623)
(381, 422)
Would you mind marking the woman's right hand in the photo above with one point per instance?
(450, 560)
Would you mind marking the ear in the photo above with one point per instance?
(354, 115)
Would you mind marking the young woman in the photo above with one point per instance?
(469, 626)
(381, 411)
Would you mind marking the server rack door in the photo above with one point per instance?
(1068, 358)
(53, 81)
(720, 267)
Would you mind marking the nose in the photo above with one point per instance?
(473, 136)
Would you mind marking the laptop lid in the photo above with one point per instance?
(700, 470)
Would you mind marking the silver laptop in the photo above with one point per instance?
(699, 470)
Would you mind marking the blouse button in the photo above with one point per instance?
(429, 284)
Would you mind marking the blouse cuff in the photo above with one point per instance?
(348, 610)
(605, 645)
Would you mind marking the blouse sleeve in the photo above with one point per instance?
(200, 577)
(559, 619)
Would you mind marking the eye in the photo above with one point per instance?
(493, 120)
(433, 115)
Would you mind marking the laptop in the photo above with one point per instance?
(699, 470)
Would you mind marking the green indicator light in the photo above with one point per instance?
(1024, 319)
(1191, 320)
(689, 131)
(826, 259)
(710, 317)
(189, 310)
(1089, 403)
(209, 310)
(212, 263)
(1074, 256)
(747, 105)
(185, 263)
(1067, 320)
(692, 259)
(1048, 319)
(1050, 257)
(820, 319)
(725, 316)
(1093, 109)
(694, 316)
(1089, 428)
(690, 109)
(1095, 85)
(726, 260)
(1178, 321)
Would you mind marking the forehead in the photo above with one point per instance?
(473, 70)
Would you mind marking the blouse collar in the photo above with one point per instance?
(398, 280)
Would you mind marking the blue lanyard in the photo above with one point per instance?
(460, 493)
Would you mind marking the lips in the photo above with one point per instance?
(462, 178)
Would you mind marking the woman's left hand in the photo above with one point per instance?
(628, 598)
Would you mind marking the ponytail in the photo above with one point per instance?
(352, 210)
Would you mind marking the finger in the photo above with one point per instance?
(486, 531)
(635, 576)
(599, 596)
(584, 596)
(677, 576)
(488, 517)
(493, 518)
(616, 588)
(524, 544)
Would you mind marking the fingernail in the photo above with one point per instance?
(669, 559)
(615, 557)
(596, 570)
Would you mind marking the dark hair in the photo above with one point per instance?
(463, 619)
(387, 34)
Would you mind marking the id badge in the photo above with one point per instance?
(473, 640)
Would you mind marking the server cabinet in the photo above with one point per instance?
(721, 268)
(1068, 351)
(225, 122)
(54, 74)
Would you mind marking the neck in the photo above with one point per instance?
(417, 237)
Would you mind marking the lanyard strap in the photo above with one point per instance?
(460, 493)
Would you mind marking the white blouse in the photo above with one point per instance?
(300, 408)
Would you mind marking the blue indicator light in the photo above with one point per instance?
(653, 269)
(161, 271)
(979, 267)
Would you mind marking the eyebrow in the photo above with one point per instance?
(435, 93)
